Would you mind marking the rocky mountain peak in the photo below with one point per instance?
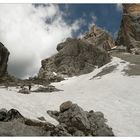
(99, 38)
(78, 56)
(131, 8)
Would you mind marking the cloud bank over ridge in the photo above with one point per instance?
(31, 33)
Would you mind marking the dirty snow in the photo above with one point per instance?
(114, 94)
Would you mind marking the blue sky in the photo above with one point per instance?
(107, 16)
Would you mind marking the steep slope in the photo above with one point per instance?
(129, 34)
(111, 92)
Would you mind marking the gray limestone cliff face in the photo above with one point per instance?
(129, 33)
(99, 38)
(78, 56)
(74, 57)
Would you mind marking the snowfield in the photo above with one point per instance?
(115, 94)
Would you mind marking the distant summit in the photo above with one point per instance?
(99, 38)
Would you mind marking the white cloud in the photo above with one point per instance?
(119, 7)
(29, 39)
(115, 35)
(94, 18)
(90, 25)
(93, 21)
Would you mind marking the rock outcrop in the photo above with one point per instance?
(99, 38)
(47, 89)
(74, 57)
(4, 54)
(12, 123)
(78, 122)
(129, 34)
(73, 121)
(24, 91)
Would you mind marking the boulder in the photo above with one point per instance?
(24, 91)
(3, 114)
(53, 114)
(76, 117)
(4, 54)
(65, 106)
(78, 133)
(42, 118)
(13, 114)
(9, 115)
(78, 122)
(129, 33)
(60, 131)
(48, 88)
(98, 125)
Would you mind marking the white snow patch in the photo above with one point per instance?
(55, 73)
(114, 94)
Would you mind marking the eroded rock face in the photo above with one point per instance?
(4, 54)
(99, 38)
(75, 57)
(129, 34)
